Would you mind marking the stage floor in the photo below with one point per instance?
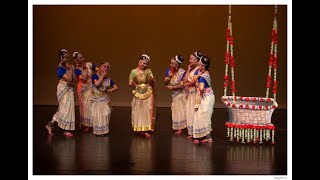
(123, 152)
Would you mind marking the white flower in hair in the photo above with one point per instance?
(145, 55)
(108, 65)
(63, 50)
(75, 54)
(177, 59)
(198, 54)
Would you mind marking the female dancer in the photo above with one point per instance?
(65, 115)
(174, 81)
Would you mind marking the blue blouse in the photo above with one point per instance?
(203, 80)
(61, 71)
(96, 77)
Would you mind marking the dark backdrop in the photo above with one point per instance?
(121, 33)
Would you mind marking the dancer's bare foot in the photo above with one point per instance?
(209, 140)
(86, 129)
(178, 132)
(147, 135)
(141, 133)
(189, 137)
(196, 141)
(68, 134)
(49, 130)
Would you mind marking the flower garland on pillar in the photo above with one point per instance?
(273, 57)
(229, 58)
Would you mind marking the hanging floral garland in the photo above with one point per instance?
(229, 58)
(246, 133)
(273, 58)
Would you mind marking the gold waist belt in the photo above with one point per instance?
(142, 91)
(98, 93)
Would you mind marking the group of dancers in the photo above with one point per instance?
(192, 96)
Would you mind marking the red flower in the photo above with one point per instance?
(241, 98)
(270, 55)
(232, 64)
(253, 106)
(270, 59)
(275, 58)
(260, 107)
(268, 100)
(275, 40)
(274, 91)
(226, 77)
(225, 84)
(228, 33)
(233, 86)
(268, 85)
(232, 61)
(226, 58)
(269, 78)
(247, 99)
(228, 104)
(254, 99)
(230, 39)
(261, 100)
(233, 105)
(271, 127)
(247, 106)
(275, 66)
(241, 106)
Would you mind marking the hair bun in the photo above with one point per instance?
(179, 59)
(75, 55)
